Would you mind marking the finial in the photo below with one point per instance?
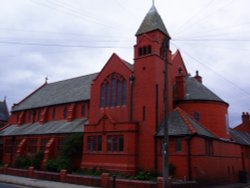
(5, 98)
(153, 2)
(46, 79)
(197, 73)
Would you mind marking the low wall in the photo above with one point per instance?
(105, 180)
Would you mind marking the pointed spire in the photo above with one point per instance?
(151, 22)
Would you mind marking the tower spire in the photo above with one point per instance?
(153, 2)
(151, 22)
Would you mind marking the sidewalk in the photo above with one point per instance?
(51, 184)
(235, 185)
(37, 183)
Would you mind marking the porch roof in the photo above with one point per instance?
(52, 127)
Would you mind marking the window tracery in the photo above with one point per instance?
(113, 91)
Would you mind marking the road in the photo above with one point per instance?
(4, 185)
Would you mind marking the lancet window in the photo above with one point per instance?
(113, 91)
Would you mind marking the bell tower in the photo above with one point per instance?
(150, 35)
(149, 85)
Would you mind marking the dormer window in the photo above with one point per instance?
(113, 91)
(145, 50)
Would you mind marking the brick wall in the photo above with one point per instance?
(105, 181)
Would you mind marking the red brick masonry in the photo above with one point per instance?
(105, 180)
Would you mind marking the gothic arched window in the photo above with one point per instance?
(102, 97)
(113, 91)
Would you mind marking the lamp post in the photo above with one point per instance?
(165, 164)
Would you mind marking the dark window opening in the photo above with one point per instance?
(196, 116)
(140, 51)
(99, 142)
(34, 116)
(39, 115)
(145, 50)
(109, 144)
(178, 145)
(102, 98)
(149, 49)
(30, 116)
(94, 143)
(119, 91)
(107, 94)
(113, 91)
(54, 113)
(121, 143)
(124, 92)
(209, 147)
(65, 112)
(83, 109)
(115, 143)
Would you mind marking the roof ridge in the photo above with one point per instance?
(190, 126)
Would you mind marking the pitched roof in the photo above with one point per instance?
(180, 123)
(151, 22)
(4, 114)
(240, 137)
(52, 127)
(197, 91)
(129, 65)
(71, 90)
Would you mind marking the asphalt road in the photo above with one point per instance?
(4, 185)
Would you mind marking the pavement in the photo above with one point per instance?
(29, 182)
(235, 185)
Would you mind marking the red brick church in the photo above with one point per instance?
(120, 112)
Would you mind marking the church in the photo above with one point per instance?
(120, 113)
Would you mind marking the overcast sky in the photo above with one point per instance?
(61, 39)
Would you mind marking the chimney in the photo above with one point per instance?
(198, 77)
(245, 118)
(180, 85)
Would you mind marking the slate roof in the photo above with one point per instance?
(66, 91)
(180, 124)
(4, 114)
(129, 65)
(52, 127)
(240, 137)
(151, 22)
(197, 91)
